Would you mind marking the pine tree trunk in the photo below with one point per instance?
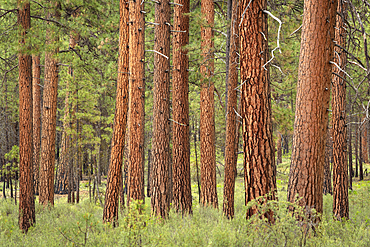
(49, 111)
(36, 92)
(160, 198)
(26, 198)
(110, 212)
(207, 110)
(356, 150)
(182, 199)
(327, 188)
(313, 93)
(136, 103)
(279, 159)
(259, 149)
(149, 174)
(340, 168)
(365, 153)
(360, 156)
(231, 131)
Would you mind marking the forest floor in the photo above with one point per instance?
(81, 224)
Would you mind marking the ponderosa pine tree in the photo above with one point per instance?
(136, 101)
(110, 212)
(230, 144)
(207, 109)
(26, 198)
(160, 194)
(36, 92)
(259, 149)
(313, 94)
(182, 199)
(327, 188)
(49, 110)
(340, 169)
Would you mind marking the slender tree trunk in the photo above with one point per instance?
(110, 212)
(360, 156)
(196, 159)
(356, 149)
(207, 109)
(231, 131)
(313, 94)
(327, 188)
(149, 174)
(49, 111)
(182, 199)
(365, 153)
(350, 161)
(26, 198)
(160, 199)
(259, 149)
(279, 159)
(36, 92)
(228, 44)
(340, 168)
(136, 103)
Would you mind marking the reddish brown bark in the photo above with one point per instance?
(136, 103)
(340, 168)
(327, 188)
(365, 153)
(110, 212)
(207, 111)
(279, 150)
(231, 135)
(259, 149)
(160, 196)
(36, 92)
(26, 198)
(313, 93)
(49, 110)
(182, 199)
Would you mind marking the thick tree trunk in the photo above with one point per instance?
(259, 149)
(231, 131)
(110, 212)
(340, 168)
(136, 103)
(26, 198)
(49, 110)
(207, 110)
(313, 93)
(182, 200)
(160, 199)
(36, 92)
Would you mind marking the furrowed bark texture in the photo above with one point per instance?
(111, 207)
(207, 109)
(311, 116)
(136, 101)
(340, 168)
(230, 145)
(259, 154)
(36, 92)
(160, 198)
(49, 110)
(182, 199)
(26, 199)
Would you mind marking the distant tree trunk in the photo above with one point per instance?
(356, 149)
(350, 161)
(365, 153)
(313, 94)
(196, 159)
(231, 131)
(49, 111)
(136, 103)
(259, 149)
(160, 199)
(360, 156)
(340, 168)
(327, 188)
(36, 91)
(26, 198)
(110, 212)
(279, 159)
(149, 175)
(207, 109)
(182, 200)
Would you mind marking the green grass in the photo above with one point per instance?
(81, 224)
